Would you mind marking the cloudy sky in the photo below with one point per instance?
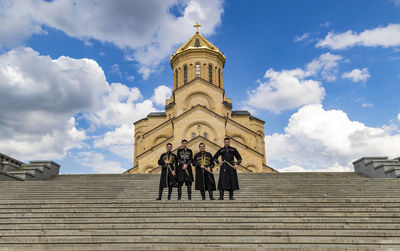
(324, 75)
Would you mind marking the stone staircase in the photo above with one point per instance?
(325, 211)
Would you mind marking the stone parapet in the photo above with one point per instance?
(378, 167)
(12, 169)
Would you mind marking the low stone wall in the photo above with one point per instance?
(12, 169)
(8, 163)
(378, 167)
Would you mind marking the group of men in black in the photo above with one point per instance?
(177, 169)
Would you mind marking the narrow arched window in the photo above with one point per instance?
(176, 78)
(197, 70)
(219, 77)
(210, 73)
(193, 135)
(185, 74)
(205, 135)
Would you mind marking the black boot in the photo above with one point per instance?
(231, 195)
(221, 195)
(203, 194)
(169, 192)
(210, 193)
(159, 193)
(179, 192)
(189, 190)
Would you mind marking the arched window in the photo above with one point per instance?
(205, 135)
(176, 78)
(193, 135)
(210, 73)
(219, 77)
(197, 70)
(185, 74)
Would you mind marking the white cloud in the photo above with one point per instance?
(326, 24)
(161, 93)
(398, 117)
(285, 90)
(367, 105)
(357, 75)
(318, 139)
(396, 2)
(388, 36)
(120, 106)
(20, 23)
(146, 27)
(302, 37)
(119, 141)
(130, 78)
(289, 89)
(97, 163)
(326, 65)
(39, 97)
(116, 70)
(334, 168)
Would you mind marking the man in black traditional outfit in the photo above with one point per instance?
(228, 179)
(184, 170)
(168, 179)
(204, 176)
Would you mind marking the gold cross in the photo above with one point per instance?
(197, 25)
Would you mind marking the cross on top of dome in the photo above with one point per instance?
(197, 25)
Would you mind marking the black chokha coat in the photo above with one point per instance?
(204, 180)
(185, 156)
(228, 179)
(167, 179)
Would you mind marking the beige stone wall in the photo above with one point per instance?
(202, 57)
(199, 92)
(199, 122)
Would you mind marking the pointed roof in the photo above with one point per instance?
(197, 42)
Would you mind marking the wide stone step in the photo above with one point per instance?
(195, 198)
(203, 219)
(222, 214)
(204, 226)
(201, 232)
(200, 246)
(242, 194)
(189, 239)
(198, 209)
(149, 183)
(254, 202)
(249, 181)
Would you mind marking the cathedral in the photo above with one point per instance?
(199, 111)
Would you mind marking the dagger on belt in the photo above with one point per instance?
(229, 164)
(203, 163)
(162, 166)
(184, 159)
(169, 166)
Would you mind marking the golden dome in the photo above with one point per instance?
(195, 43)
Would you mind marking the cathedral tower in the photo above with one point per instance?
(199, 111)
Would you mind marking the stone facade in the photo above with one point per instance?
(199, 111)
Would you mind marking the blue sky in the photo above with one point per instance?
(324, 75)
